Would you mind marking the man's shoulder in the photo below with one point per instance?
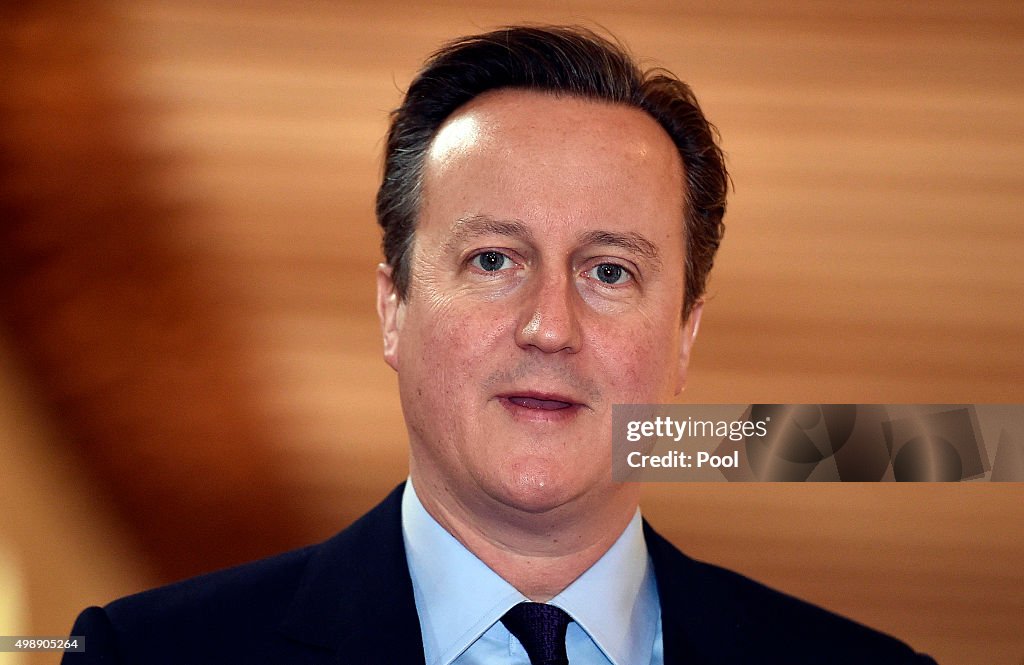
(285, 608)
(708, 609)
(225, 616)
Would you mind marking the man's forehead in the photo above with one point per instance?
(457, 135)
(542, 167)
(538, 118)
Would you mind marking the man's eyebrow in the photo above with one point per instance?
(631, 241)
(474, 226)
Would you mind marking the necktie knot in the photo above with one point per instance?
(540, 628)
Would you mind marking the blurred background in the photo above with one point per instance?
(190, 370)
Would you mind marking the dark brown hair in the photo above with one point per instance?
(561, 60)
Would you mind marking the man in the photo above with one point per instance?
(550, 216)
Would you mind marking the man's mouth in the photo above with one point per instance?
(537, 403)
(540, 407)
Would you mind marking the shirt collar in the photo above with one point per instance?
(616, 599)
(459, 598)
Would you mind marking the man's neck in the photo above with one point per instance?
(540, 554)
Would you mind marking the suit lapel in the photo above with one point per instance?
(710, 615)
(686, 634)
(356, 595)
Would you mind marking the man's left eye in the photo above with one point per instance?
(610, 273)
(492, 261)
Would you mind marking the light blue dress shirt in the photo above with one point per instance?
(460, 601)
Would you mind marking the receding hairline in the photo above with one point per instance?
(522, 94)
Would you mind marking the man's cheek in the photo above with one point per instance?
(629, 364)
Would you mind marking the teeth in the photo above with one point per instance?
(545, 404)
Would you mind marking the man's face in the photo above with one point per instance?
(546, 286)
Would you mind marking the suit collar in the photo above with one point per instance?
(356, 596)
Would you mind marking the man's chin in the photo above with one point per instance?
(534, 493)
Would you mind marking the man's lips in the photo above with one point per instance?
(539, 403)
(540, 406)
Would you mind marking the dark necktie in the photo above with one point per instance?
(541, 630)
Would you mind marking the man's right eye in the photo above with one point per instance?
(491, 261)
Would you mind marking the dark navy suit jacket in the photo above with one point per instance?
(350, 600)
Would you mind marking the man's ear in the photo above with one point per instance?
(689, 335)
(389, 309)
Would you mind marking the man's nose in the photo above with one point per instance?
(549, 315)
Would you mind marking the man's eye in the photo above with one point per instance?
(610, 273)
(491, 261)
